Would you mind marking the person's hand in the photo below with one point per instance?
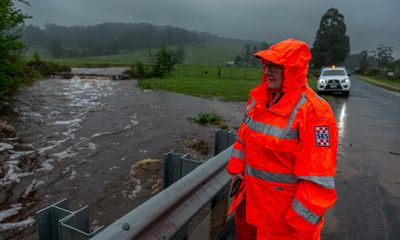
(236, 177)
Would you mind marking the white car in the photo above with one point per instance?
(334, 79)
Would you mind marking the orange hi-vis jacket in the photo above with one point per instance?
(287, 153)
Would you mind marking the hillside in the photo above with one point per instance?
(209, 55)
(126, 43)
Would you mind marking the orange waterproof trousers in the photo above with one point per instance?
(244, 231)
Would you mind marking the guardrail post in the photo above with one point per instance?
(219, 204)
(171, 167)
(223, 140)
(56, 222)
(177, 166)
(48, 227)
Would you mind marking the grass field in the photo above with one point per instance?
(385, 83)
(230, 86)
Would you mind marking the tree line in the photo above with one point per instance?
(246, 57)
(109, 38)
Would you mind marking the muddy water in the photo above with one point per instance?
(90, 141)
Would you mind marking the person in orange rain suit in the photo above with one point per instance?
(285, 152)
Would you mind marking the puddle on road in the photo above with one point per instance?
(339, 107)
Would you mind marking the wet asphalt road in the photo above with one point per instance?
(368, 170)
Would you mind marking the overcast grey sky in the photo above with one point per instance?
(369, 22)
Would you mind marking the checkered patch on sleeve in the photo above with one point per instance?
(322, 137)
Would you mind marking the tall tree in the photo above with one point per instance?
(11, 21)
(246, 54)
(383, 55)
(364, 65)
(331, 44)
(180, 55)
(56, 49)
(264, 46)
(11, 66)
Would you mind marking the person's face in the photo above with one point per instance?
(274, 74)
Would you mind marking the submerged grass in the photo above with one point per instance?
(207, 118)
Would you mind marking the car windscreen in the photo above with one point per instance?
(336, 72)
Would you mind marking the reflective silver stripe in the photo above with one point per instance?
(237, 153)
(271, 177)
(326, 182)
(305, 213)
(250, 106)
(271, 130)
(239, 139)
(302, 100)
(286, 133)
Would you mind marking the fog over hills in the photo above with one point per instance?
(369, 22)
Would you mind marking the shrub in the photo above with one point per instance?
(46, 68)
(139, 70)
(373, 72)
(206, 118)
(164, 62)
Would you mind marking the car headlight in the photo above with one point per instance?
(322, 81)
(345, 80)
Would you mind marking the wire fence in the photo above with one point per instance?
(239, 73)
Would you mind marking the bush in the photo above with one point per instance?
(46, 68)
(139, 70)
(206, 118)
(13, 74)
(164, 61)
(373, 72)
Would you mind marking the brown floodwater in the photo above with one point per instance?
(96, 143)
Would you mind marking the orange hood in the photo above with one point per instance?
(294, 55)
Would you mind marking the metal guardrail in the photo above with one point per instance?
(165, 215)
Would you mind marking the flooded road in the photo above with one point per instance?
(100, 142)
(90, 141)
(368, 179)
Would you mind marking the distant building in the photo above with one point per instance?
(230, 63)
